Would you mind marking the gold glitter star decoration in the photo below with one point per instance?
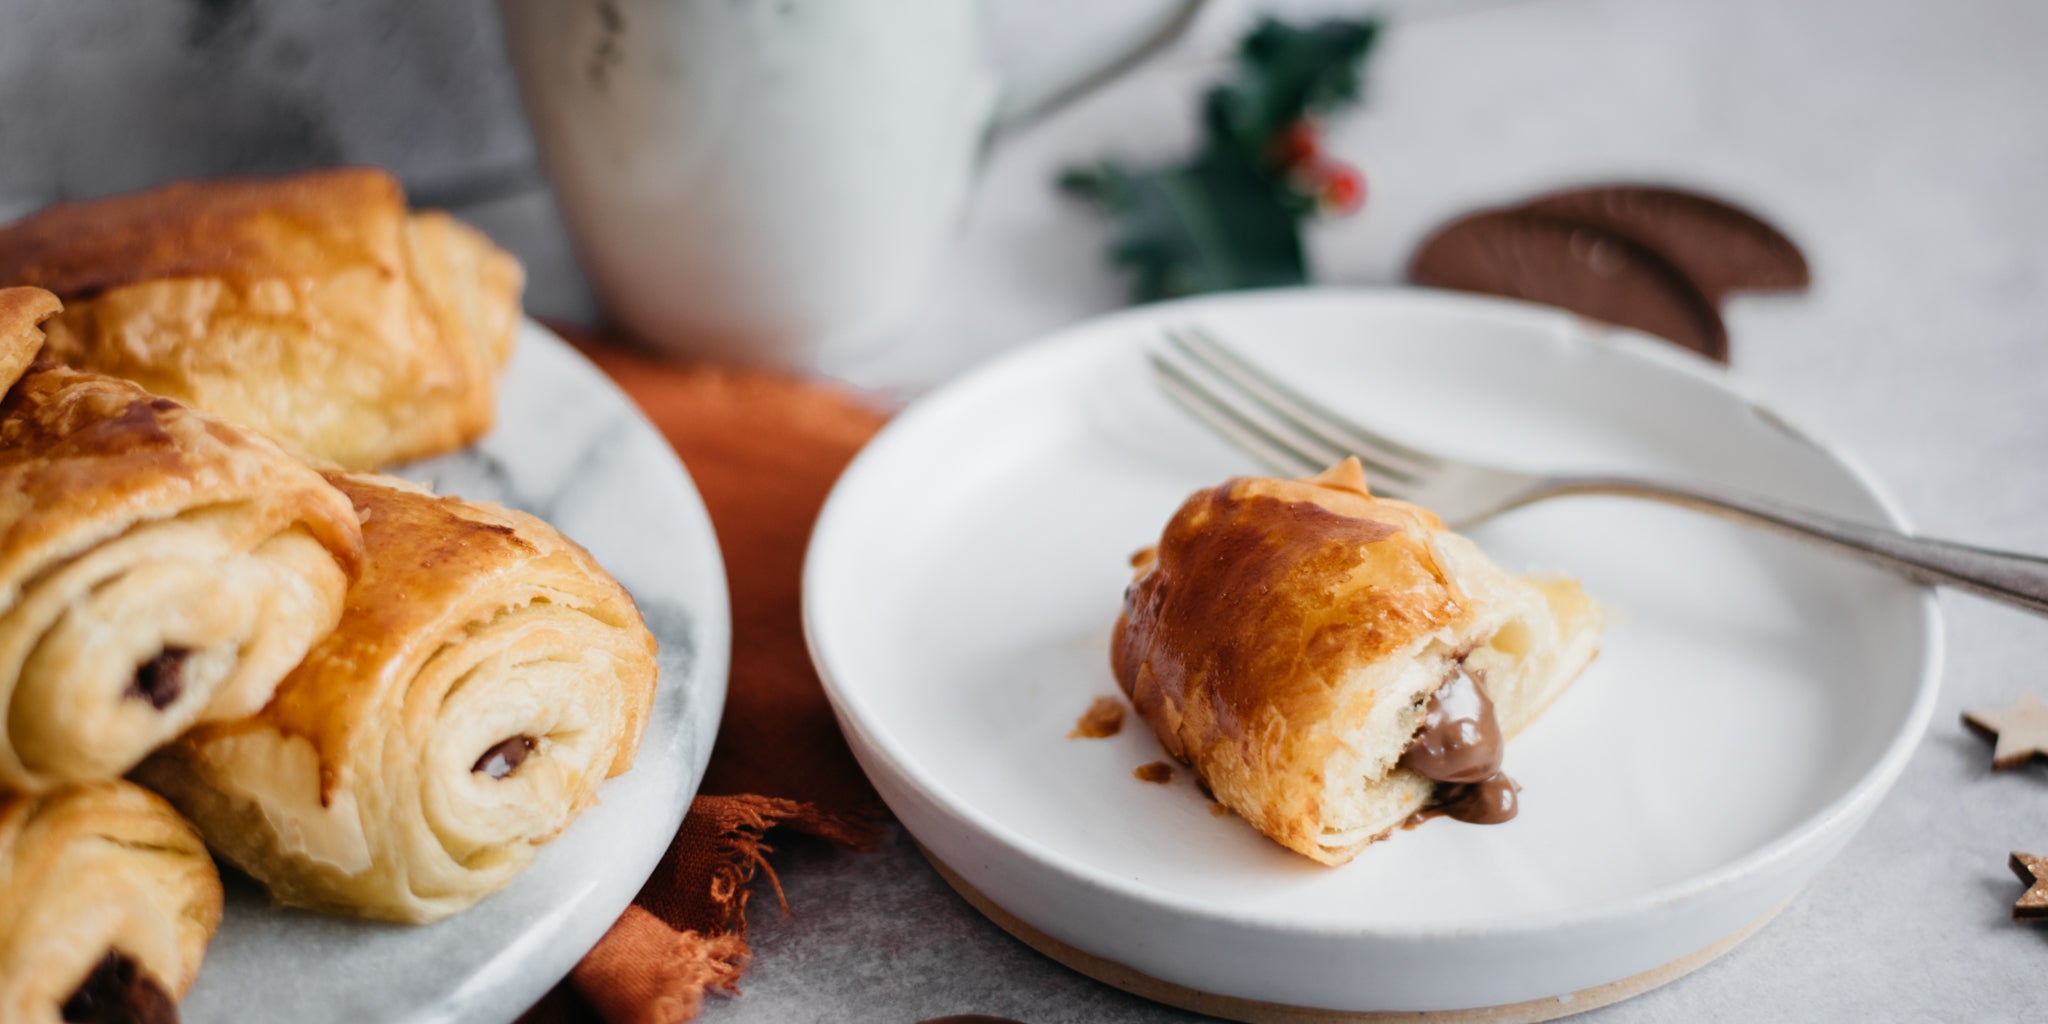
(2021, 731)
(2033, 905)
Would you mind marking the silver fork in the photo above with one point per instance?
(1295, 436)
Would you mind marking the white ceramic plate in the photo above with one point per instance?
(1752, 702)
(571, 449)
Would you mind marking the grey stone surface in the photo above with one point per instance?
(1902, 144)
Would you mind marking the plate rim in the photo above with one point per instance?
(711, 661)
(1855, 802)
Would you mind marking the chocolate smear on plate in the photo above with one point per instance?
(1156, 772)
(1582, 268)
(1104, 718)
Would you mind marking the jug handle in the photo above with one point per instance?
(1031, 98)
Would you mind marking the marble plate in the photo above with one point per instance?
(1753, 700)
(570, 448)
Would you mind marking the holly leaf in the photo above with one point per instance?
(1230, 216)
(1206, 226)
(1284, 74)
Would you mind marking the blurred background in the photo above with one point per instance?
(1916, 130)
(105, 96)
(1854, 125)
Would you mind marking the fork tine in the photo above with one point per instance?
(1399, 460)
(1276, 452)
(1247, 394)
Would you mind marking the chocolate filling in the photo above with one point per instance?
(161, 679)
(505, 758)
(1489, 801)
(1104, 718)
(1460, 739)
(1459, 747)
(119, 991)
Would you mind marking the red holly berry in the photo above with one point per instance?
(1339, 188)
(1296, 145)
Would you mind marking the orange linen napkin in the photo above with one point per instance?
(763, 449)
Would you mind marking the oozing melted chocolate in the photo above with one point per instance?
(1459, 747)
(504, 758)
(1460, 738)
(119, 991)
(161, 679)
(1489, 801)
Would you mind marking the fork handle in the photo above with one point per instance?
(2008, 577)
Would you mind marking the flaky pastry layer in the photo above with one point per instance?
(90, 876)
(486, 676)
(158, 567)
(312, 307)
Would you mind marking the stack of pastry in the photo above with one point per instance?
(315, 308)
(374, 700)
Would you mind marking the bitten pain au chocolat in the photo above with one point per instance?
(1332, 664)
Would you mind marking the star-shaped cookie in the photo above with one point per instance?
(2021, 730)
(2033, 904)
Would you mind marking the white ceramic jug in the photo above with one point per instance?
(769, 181)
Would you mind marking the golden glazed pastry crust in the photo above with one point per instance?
(133, 528)
(1283, 634)
(311, 307)
(21, 339)
(364, 788)
(93, 869)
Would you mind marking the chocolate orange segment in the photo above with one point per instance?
(1719, 247)
(1586, 269)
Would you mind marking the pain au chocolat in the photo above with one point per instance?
(486, 676)
(313, 307)
(1331, 664)
(158, 567)
(107, 903)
